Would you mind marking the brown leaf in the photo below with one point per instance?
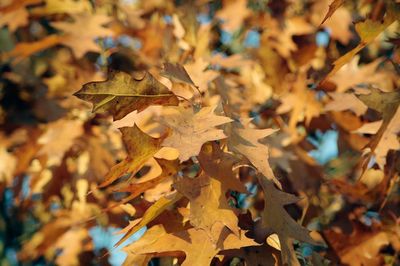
(358, 248)
(177, 72)
(277, 220)
(245, 141)
(219, 164)
(386, 137)
(199, 249)
(301, 102)
(208, 205)
(190, 130)
(121, 94)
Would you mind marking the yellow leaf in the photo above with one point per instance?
(141, 147)
(332, 8)
(368, 30)
(151, 213)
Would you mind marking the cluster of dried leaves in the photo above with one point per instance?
(210, 140)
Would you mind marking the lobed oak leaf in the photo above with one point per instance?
(190, 130)
(301, 102)
(346, 101)
(58, 139)
(80, 35)
(351, 75)
(168, 168)
(121, 94)
(208, 205)
(383, 102)
(340, 25)
(245, 141)
(280, 37)
(15, 15)
(219, 164)
(276, 220)
(199, 73)
(195, 244)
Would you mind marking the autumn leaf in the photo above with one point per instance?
(199, 73)
(140, 146)
(59, 138)
(245, 141)
(80, 35)
(360, 247)
(25, 49)
(121, 94)
(353, 74)
(15, 14)
(233, 14)
(208, 205)
(180, 156)
(332, 8)
(368, 30)
(190, 129)
(277, 220)
(177, 72)
(196, 245)
(151, 213)
(301, 102)
(346, 101)
(386, 137)
(219, 164)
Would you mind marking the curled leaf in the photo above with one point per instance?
(121, 94)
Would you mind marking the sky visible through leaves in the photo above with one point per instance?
(195, 133)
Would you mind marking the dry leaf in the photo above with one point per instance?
(121, 94)
(196, 245)
(277, 220)
(190, 130)
(141, 147)
(208, 205)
